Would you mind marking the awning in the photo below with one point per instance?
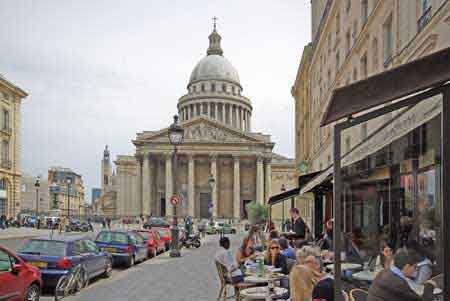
(302, 181)
(415, 77)
(401, 125)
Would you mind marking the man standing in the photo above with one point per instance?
(298, 225)
(393, 283)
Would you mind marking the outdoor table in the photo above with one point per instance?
(346, 266)
(364, 276)
(260, 293)
(269, 280)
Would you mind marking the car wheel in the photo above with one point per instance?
(33, 293)
(108, 269)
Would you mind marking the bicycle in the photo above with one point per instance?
(71, 283)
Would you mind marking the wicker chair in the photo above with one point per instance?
(439, 280)
(357, 294)
(224, 277)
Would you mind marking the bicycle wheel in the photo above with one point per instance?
(61, 289)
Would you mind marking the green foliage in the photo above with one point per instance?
(257, 213)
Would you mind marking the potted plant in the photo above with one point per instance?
(257, 213)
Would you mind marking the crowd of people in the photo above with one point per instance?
(398, 272)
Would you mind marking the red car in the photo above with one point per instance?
(154, 242)
(18, 280)
(165, 235)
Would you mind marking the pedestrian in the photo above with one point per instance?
(108, 222)
(2, 222)
(62, 224)
(103, 223)
(91, 228)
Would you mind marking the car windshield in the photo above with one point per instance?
(112, 237)
(44, 247)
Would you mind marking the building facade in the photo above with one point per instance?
(11, 98)
(352, 40)
(218, 143)
(66, 191)
(35, 199)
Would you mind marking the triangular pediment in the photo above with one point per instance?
(203, 130)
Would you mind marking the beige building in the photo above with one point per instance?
(218, 143)
(67, 194)
(29, 192)
(352, 40)
(11, 98)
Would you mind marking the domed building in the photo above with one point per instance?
(218, 145)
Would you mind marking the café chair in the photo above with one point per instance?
(224, 277)
(439, 280)
(358, 294)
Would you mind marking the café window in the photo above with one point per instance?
(392, 192)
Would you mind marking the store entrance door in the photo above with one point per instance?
(163, 207)
(205, 210)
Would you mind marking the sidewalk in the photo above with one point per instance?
(17, 233)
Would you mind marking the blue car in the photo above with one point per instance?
(55, 257)
(125, 247)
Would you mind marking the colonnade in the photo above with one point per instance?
(146, 173)
(231, 114)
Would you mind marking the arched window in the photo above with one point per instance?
(224, 88)
(213, 87)
(203, 87)
(195, 89)
(234, 90)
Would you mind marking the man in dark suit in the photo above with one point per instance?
(298, 226)
(392, 284)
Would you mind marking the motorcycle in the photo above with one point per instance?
(192, 241)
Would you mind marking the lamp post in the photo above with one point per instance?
(68, 182)
(37, 185)
(176, 136)
(283, 189)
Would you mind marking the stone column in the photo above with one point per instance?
(223, 113)
(191, 185)
(188, 112)
(236, 189)
(241, 118)
(260, 179)
(268, 180)
(195, 110)
(208, 109)
(139, 184)
(169, 184)
(213, 159)
(146, 185)
(249, 121)
(230, 114)
(216, 111)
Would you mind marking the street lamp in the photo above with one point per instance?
(212, 183)
(283, 189)
(176, 136)
(68, 182)
(37, 185)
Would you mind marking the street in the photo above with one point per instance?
(190, 277)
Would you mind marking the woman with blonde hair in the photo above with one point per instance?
(275, 258)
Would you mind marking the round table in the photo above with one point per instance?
(364, 276)
(346, 266)
(260, 293)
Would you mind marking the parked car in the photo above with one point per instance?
(156, 222)
(220, 227)
(226, 229)
(56, 256)
(18, 280)
(125, 247)
(155, 244)
(165, 235)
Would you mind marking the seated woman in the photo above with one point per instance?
(275, 258)
(304, 277)
(246, 251)
(385, 258)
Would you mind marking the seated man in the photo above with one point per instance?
(392, 284)
(286, 250)
(226, 258)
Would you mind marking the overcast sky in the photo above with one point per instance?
(98, 71)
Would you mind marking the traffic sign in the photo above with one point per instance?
(175, 200)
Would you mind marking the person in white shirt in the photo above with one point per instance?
(226, 258)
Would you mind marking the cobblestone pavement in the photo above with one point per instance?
(191, 277)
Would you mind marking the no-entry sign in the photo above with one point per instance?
(175, 200)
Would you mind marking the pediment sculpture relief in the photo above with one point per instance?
(205, 132)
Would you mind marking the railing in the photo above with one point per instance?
(424, 19)
(6, 164)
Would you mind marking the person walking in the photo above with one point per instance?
(108, 223)
(2, 222)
